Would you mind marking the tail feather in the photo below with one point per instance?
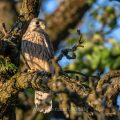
(43, 102)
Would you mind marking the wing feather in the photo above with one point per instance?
(38, 45)
(47, 44)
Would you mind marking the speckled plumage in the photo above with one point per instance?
(38, 52)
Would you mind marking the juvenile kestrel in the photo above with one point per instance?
(38, 52)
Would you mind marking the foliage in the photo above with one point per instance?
(97, 57)
(6, 66)
(100, 53)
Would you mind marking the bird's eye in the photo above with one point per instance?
(37, 22)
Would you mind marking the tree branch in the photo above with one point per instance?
(106, 92)
(57, 85)
(30, 8)
(67, 16)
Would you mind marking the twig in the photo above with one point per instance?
(76, 72)
(66, 52)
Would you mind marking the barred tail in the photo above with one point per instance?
(43, 102)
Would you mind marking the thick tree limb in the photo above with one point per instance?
(24, 80)
(30, 8)
(106, 79)
(15, 84)
(106, 92)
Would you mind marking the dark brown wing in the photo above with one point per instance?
(37, 44)
(48, 44)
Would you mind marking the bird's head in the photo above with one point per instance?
(37, 24)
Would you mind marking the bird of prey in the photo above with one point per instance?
(37, 51)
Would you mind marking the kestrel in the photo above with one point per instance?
(37, 51)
